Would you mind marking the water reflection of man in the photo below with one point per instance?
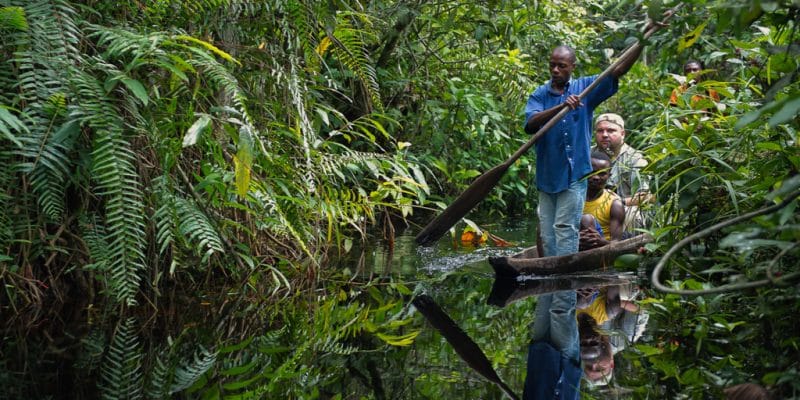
(596, 350)
(599, 309)
(554, 367)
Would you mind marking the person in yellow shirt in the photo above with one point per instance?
(602, 206)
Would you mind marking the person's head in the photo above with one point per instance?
(692, 70)
(601, 167)
(692, 67)
(609, 132)
(562, 63)
(596, 351)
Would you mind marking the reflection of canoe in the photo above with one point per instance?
(525, 274)
(526, 262)
(507, 290)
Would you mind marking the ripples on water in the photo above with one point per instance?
(446, 255)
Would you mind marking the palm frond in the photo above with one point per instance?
(47, 52)
(94, 235)
(197, 229)
(91, 355)
(13, 18)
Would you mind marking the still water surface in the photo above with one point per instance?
(458, 276)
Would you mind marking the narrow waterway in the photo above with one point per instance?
(458, 277)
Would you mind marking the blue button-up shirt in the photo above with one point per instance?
(563, 153)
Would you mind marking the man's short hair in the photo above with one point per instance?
(599, 155)
(615, 119)
(699, 64)
(569, 50)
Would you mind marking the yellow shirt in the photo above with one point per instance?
(597, 309)
(600, 208)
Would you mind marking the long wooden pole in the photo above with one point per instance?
(461, 342)
(481, 186)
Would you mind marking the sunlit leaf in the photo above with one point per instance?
(13, 17)
(196, 129)
(208, 46)
(690, 38)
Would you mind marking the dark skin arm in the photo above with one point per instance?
(590, 238)
(627, 62)
(573, 101)
(617, 220)
(539, 119)
(615, 305)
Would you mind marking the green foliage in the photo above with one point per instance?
(197, 164)
(122, 367)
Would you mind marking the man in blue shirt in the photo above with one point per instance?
(562, 162)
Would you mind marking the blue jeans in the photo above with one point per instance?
(555, 323)
(560, 219)
(559, 223)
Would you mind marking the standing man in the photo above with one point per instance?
(562, 162)
(627, 163)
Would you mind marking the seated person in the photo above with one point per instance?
(626, 166)
(602, 304)
(602, 208)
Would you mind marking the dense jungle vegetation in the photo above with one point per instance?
(178, 178)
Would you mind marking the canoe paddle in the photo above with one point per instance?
(481, 186)
(467, 349)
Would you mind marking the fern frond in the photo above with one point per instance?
(187, 374)
(351, 49)
(195, 226)
(157, 386)
(332, 346)
(121, 371)
(94, 234)
(224, 79)
(117, 180)
(49, 49)
(91, 354)
(13, 18)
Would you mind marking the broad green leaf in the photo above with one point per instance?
(401, 340)
(788, 110)
(9, 120)
(137, 88)
(648, 350)
(196, 129)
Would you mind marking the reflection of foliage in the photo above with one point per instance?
(199, 160)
